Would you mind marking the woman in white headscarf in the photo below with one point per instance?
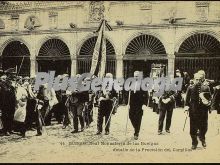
(20, 112)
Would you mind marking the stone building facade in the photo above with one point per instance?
(59, 35)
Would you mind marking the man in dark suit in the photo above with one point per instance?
(78, 108)
(107, 99)
(166, 106)
(8, 102)
(198, 107)
(137, 100)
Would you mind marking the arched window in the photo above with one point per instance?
(200, 51)
(16, 54)
(54, 55)
(145, 44)
(84, 59)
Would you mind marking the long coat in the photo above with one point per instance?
(21, 97)
(192, 99)
(7, 100)
(137, 100)
(171, 104)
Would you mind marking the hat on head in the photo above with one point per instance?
(93, 77)
(65, 75)
(26, 78)
(60, 76)
(137, 73)
(19, 78)
(109, 75)
(11, 77)
(78, 75)
(87, 79)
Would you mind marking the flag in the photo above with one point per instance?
(103, 54)
(99, 53)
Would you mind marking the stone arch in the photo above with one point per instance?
(79, 46)
(200, 43)
(16, 55)
(183, 38)
(88, 47)
(45, 39)
(54, 47)
(199, 50)
(54, 54)
(85, 52)
(11, 40)
(156, 35)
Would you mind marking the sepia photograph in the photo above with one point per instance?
(109, 81)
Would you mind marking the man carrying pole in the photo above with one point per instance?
(106, 108)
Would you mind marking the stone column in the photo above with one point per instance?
(33, 55)
(171, 65)
(73, 67)
(33, 67)
(119, 67)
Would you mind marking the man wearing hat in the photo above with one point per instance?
(7, 102)
(198, 104)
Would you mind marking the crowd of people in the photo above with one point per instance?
(22, 108)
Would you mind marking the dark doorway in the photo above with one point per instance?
(145, 66)
(16, 55)
(54, 55)
(199, 52)
(59, 66)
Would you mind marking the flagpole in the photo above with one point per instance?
(20, 65)
(103, 52)
(128, 108)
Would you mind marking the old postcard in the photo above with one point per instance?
(109, 81)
